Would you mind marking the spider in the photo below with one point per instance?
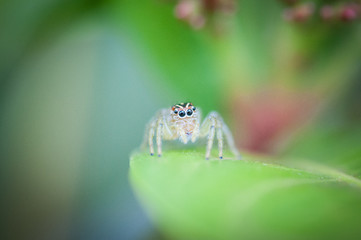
(182, 121)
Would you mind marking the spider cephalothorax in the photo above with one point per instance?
(183, 121)
(183, 110)
(185, 118)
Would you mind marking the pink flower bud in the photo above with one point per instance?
(300, 13)
(327, 12)
(184, 9)
(348, 14)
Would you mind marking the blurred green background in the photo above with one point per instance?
(80, 79)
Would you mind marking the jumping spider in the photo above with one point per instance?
(183, 121)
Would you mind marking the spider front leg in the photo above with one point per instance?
(150, 133)
(155, 127)
(213, 124)
(158, 126)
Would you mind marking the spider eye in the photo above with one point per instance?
(175, 111)
(189, 112)
(194, 108)
(182, 114)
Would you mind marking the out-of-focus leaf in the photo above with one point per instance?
(191, 198)
(184, 57)
(338, 147)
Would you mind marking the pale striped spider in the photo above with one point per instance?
(183, 121)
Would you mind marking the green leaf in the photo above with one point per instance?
(191, 198)
(336, 146)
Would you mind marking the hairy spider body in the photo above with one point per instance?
(183, 121)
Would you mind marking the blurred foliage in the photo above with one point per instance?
(25, 26)
(64, 158)
(331, 144)
(255, 48)
(186, 60)
(65, 76)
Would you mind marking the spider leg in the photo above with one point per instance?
(159, 127)
(230, 141)
(208, 128)
(214, 121)
(159, 137)
(210, 142)
(220, 142)
(151, 127)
